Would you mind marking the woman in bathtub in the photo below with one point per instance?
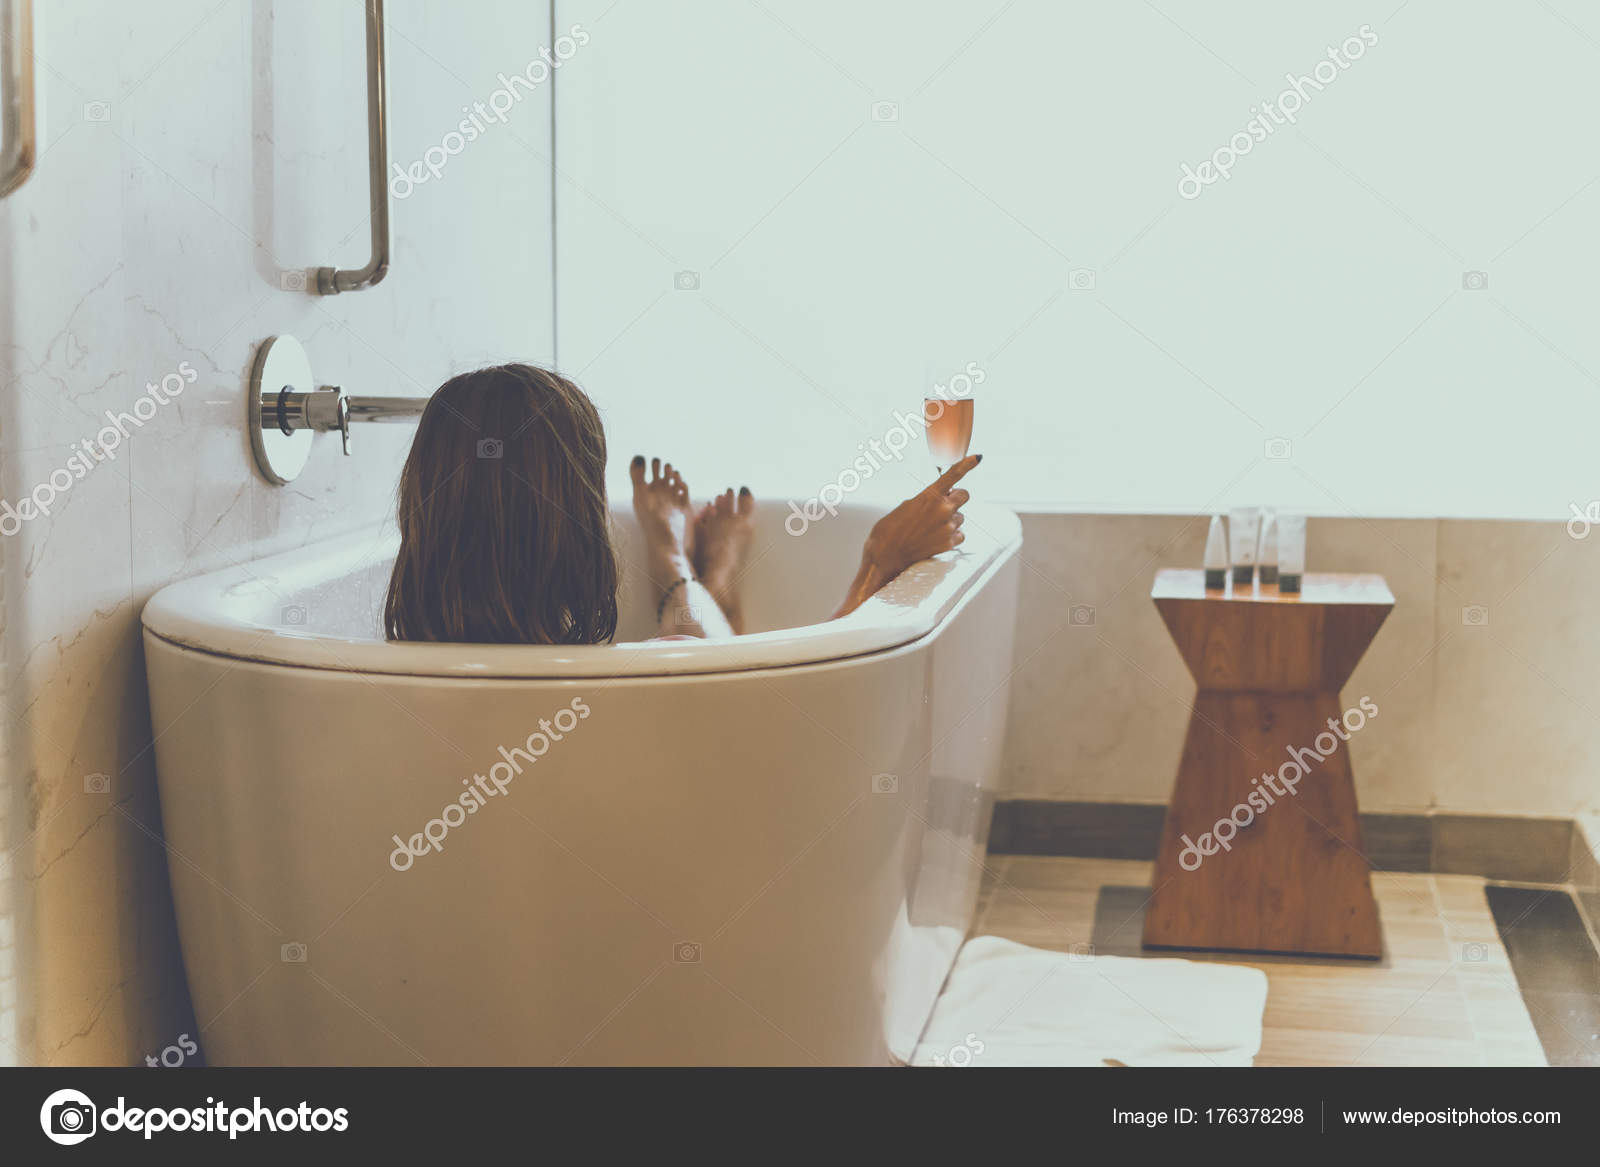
(505, 533)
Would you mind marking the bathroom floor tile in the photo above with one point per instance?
(1513, 1053)
(1033, 871)
(1549, 946)
(1556, 967)
(1444, 993)
(1568, 1025)
(1461, 893)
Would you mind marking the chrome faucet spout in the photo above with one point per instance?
(386, 408)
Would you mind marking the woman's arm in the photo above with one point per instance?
(925, 524)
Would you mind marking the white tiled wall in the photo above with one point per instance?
(192, 152)
(870, 196)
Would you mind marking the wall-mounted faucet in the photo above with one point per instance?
(328, 409)
(285, 410)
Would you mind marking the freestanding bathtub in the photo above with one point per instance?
(756, 851)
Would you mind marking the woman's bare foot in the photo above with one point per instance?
(721, 534)
(661, 504)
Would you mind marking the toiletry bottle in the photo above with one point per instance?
(1267, 551)
(1216, 556)
(1242, 533)
(1291, 552)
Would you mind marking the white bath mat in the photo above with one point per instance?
(1007, 1004)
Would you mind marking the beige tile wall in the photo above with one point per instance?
(1496, 717)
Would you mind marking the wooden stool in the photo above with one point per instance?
(1269, 668)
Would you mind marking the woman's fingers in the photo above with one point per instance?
(956, 473)
(636, 470)
(959, 496)
(957, 519)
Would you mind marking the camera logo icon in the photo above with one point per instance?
(491, 449)
(1081, 953)
(1474, 281)
(1081, 279)
(1474, 953)
(97, 783)
(294, 614)
(885, 111)
(97, 111)
(293, 953)
(885, 784)
(292, 281)
(1278, 449)
(686, 952)
(686, 281)
(1475, 616)
(68, 1117)
(1081, 615)
(1583, 521)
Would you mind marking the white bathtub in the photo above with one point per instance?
(758, 851)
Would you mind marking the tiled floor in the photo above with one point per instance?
(1444, 993)
(1557, 968)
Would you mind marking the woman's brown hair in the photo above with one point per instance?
(505, 535)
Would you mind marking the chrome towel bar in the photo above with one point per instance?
(17, 117)
(331, 280)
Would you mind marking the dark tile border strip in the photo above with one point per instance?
(1084, 830)
(1586, 871)
(1525, 850)
(1556, 966)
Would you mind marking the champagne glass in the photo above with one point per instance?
(947, 418)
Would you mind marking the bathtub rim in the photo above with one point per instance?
(206, 614)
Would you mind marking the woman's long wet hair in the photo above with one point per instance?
(505, 535)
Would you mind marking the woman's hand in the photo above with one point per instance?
(924, 525)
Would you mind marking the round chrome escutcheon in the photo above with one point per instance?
(280, 364)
